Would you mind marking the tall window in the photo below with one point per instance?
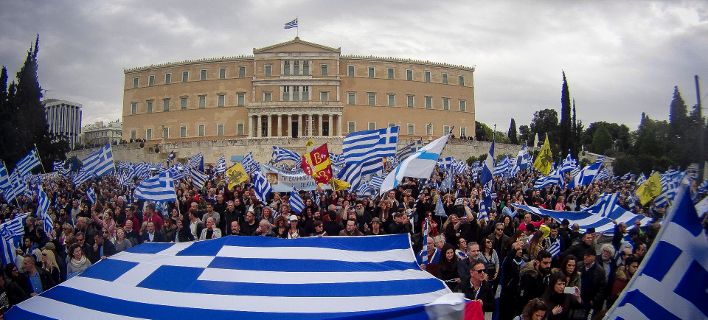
(429, 129)
(168, 78)
(203, 74)
(202, 129)
(444, 78)
(305, 93)
(446, 103)
(222, 73)
(240, 99)
(286, 67)
(239, 129)
(166, 132)
(463, 131)
(410, 101)
(411, 129)
(220, 129)
(372, 125)
(183, 132)
(202, 101)
(183, 103)
(220, 100)
(461, 80)
(148, 134)
(306, 68)
(351, 98)
(372, 72)
(136, 82)
(296, 93)
(133, 134)
(296, 67)
(463, 105)
(267, 96)
(166, 104)
(149, 106)
(151, 80)
(446, 129)
(391, 73)
(350, 71)
(428, 102)
(241, 72)
(324, 71)
(133, 107)
(268, 69)
(351, 126)
(391, 100)
(371, 96)
(324, 96)
(185, 76)
(409, 75)
(427, 76)
(286, 93)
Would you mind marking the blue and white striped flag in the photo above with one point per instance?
(98, 163)
(58, 166)
(586, 176)
(484, 204)
(281, 154)
(486, 175)
(158, 188)
(221, 165)
(409, 149)
(503, 168)
(703, 187)
(199, 178)
(567, 165)
(4, 178)
(261, 186)
(424, 251)
(364, 152)
(439, 208)
(555, 248)
(196, 161)
(249, 164)
(296, 203)
(244, 278)
(43, 203)
(672, 279)
(641, 179)
(554, 178)
(28, 162)
(17, 187)
(670, 183)
(91, 195)
(523, 160)
(420, 165)
(291, 24)
(11, 232)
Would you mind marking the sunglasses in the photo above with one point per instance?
(480, 271)
(500, 229)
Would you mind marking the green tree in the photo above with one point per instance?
(546, 122)
(577, 132)
(482, 132)
(565, 133)
(525, 134)
(679, 143)
(601, 141)
(512, 132)
(619, 133)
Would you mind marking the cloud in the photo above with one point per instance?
(621, 58)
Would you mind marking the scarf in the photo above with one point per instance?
(78, 264)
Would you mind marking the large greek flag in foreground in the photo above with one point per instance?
(671, 281)
(373, 277)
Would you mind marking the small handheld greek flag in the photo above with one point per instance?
(91, 195)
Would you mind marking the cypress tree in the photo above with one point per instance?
(566, 135)
(679, 126)
(512, 132)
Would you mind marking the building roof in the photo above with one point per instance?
(296, 45)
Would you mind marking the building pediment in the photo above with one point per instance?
(296, 45)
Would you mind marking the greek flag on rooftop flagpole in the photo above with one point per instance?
(419, 165)
(28, 162)
(671, 280)
(291, 24)
(11, 232)
(43, 203)
(221, 165)
(282, 154)
(296, 203)
(261, 186)
(364, 152)
(244, 278)
(199, 178)
(158, 188)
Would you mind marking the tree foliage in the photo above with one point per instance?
(565, 132)
(546, 122)
(512, 132)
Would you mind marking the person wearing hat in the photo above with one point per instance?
(587, 242)
(376, 228)
(249, 225)
(592, 283)
(294, 231)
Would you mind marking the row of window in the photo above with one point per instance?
(302, 68)
(410, 101)
(410, 128)
(184, 103)
(201, 131)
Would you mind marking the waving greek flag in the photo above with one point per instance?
(523, 160)
(196, 161)
(503, 168)
(158, 188)
(568, 165)
(91, 195)
(4, 178)
(261, 186)
(586, 176)
(291, 24)
(11, 232)
(364, 152)
(199, 178)
(555, 178)
(96, 164)
(419, 165)
(28, 162)
(245, 278)
(555, 248)
(221, 165)
(17, 187)
(249, 164)
(43, 203)
(670, 183)
(296, 203)
(671, 281)
(282, 154)
(486, 176)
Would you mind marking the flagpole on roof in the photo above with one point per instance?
(38, 157)
(297, 27)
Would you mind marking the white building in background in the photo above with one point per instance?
(64, 119)
(102, 133)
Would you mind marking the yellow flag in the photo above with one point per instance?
(650, 189)
(339, 184)
(544, 159)
(236, 174)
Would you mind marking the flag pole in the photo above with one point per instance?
(40, 159)
(297, 27)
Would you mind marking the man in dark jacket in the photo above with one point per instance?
(478, 288)
(152, 235)
(534, 277)
(100, 249)
(592, 283)
(38, 280)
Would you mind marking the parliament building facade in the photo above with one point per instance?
(296, 89)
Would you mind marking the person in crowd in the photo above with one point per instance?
(10, 292)
(319, 229)
(535, 309)
(478, 288)
(265, 229)
(592, 289)
(473, 255)
(560, 298)
(622, 276)
(121, 243)
(39, 279)
(249, 225)
(235, 229)
(461, 250)
(211, 231)
(101, 248)
(183, 234)
(151, 234)
(447, 268)
(50, 266)
(534, 277)
(491, 260)
(351, 229)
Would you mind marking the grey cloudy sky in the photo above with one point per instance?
(621, 57)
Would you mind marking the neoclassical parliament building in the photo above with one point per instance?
(296, 89)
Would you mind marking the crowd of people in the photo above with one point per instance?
(507, 255)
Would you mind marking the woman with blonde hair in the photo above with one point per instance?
(49, 264)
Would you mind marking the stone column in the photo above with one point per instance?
(279, 133)
(258, 126)
(290, 125)
(299, 125)
(319, 130)
(311, 129)
(270, 124)
(339, 125)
